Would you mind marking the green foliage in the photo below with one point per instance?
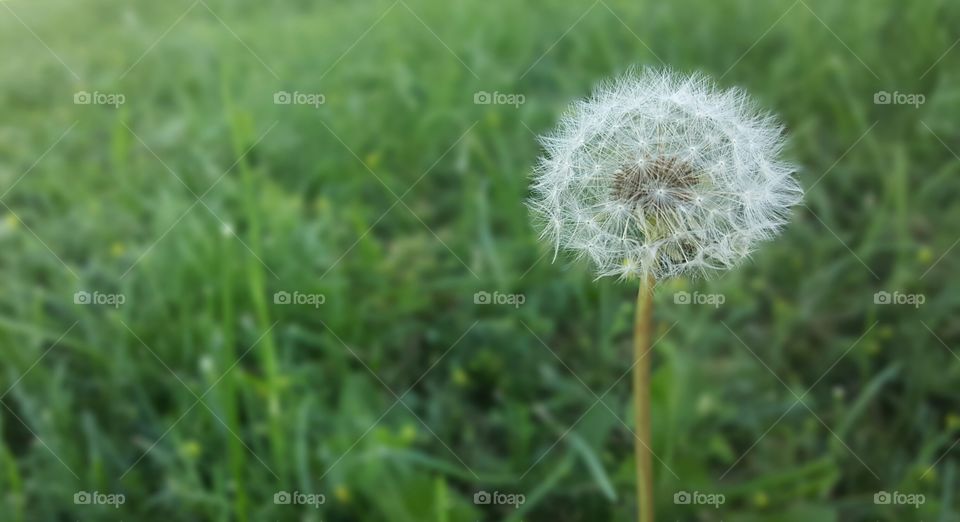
(398, 199)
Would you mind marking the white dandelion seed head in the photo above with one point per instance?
(663, 174)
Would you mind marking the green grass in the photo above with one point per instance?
(199, 398)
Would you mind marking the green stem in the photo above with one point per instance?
(235, 452)
(641, 399)
(241, 127)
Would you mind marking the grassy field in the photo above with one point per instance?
(183, 378)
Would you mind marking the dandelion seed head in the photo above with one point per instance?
(663, 174)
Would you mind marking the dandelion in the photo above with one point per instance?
(658, 175)
(663, 175)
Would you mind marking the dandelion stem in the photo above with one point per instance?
(641, 398)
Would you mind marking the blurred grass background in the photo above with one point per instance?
(398, 199)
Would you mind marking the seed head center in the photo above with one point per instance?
(659, 184)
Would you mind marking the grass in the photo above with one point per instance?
(398, 199)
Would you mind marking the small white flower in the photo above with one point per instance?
(663, 174)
